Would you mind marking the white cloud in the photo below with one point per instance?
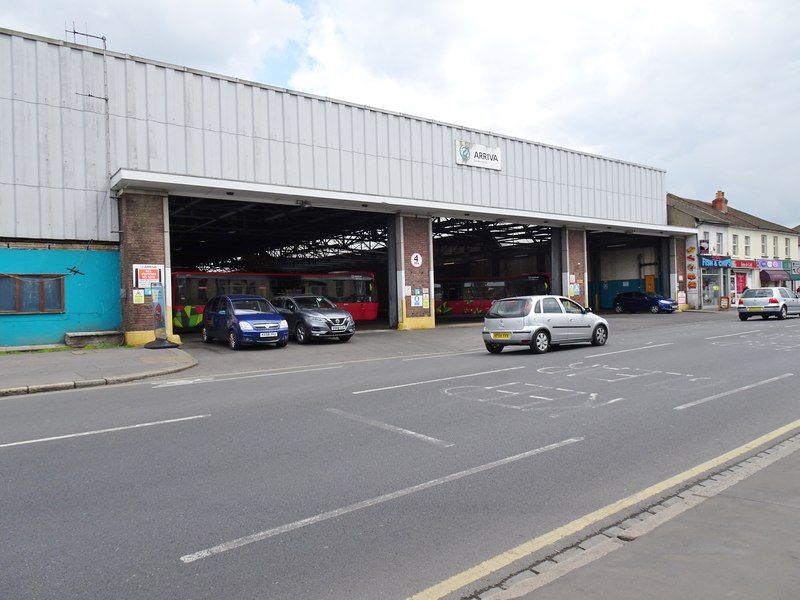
(706, 90)
(231, 37)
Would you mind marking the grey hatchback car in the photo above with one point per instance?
(768, 302)
(541, 322)
(315, 317)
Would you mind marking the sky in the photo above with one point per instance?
(707, 90)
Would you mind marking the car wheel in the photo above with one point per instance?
(494, 348)
(744, 317)
(301, 334)
(281, 344)
(205, 337)
(540, 342)
(600, 336)
(782, 314)
(345, 338)
(233, 341)
(654, 309)
(618, 308)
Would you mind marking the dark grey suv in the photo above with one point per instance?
(313, 317)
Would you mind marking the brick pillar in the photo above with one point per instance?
(577, 266)
(142, 241)
(415, 273)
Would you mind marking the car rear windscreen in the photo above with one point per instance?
(509, 308)
(758, 293)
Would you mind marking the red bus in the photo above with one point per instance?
(353, 291)
(473, 296)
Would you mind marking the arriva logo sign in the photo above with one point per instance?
(478, 155)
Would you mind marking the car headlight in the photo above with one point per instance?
(245, 326)
(283, 325)
(318, 319)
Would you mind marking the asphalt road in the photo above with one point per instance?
(372, 469)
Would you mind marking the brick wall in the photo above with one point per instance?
(416, 239)
(576, 263)
(141, 220)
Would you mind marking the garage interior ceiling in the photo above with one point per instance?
(236, 235)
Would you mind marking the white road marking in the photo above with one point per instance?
(729, 392)
(393, 428)
(237, 377)
(98, 431)
(330, 364)
(268, 533)
(630, 350)
(615, 400)
(716, 337)
(443, 355)
(402, 385)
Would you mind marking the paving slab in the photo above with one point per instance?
(743, 543)
(32, 372)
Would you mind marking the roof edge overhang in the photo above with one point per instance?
(129, 180)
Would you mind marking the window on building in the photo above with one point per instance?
(787, 248)
(747, 245)
(764, 246)
(735, 245)
(31, 294)
(774, 246)
(718, 247)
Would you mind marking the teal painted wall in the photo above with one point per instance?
(607, 290)
(91, 300)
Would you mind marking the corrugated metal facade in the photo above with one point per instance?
(172, 120)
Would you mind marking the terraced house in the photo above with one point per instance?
(733, 250)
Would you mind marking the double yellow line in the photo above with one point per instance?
(504, 559)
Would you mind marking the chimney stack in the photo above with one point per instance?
(720, 203)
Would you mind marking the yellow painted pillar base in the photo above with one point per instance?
(411, 323)
(140, 338)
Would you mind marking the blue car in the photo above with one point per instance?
(244, 320)
(643, 301)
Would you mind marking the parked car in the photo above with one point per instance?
(311, 317)
(243, 320)
(636, 301)
(541, 322)
(768, 302)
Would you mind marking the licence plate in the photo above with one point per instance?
(338, 327)
(501, 336)
(754, 309)
(268, 334)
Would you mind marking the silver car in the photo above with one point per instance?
(315, 317)
(541, 322)
(768, 302)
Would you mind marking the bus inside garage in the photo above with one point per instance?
(478, 262)
(270, 249)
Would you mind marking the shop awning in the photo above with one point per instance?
(768, 275)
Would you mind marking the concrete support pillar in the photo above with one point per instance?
(414, 262)
(144, 239)
(557, 266)
(577, 279)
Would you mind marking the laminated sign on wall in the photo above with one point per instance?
(478, 155)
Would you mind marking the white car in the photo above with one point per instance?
(541, 322)
(768, 302)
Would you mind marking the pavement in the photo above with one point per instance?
(31, 372)
(739, 541)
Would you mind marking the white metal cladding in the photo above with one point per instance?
(173, 120)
